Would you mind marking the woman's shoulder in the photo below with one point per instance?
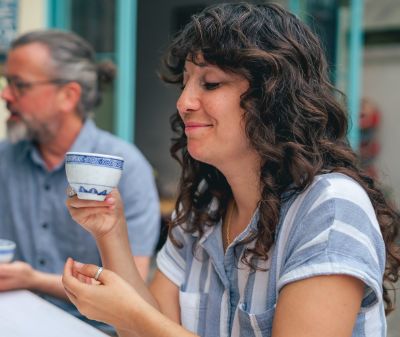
(336, 182)
(332, 200)
(337, 188)
(331, 228)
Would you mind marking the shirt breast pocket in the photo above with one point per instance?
(260, 324)
(193, 309)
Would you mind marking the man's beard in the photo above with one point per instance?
(23, 129)
(17, 131)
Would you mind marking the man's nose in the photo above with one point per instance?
(6, 93)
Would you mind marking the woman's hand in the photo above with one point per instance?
(97, 217)
(107, 299)
(112, 300)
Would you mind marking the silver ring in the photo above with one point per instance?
(96, 277)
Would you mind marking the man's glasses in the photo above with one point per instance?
(19, 87)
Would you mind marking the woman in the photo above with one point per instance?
(276, 231)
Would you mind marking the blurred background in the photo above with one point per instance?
(361, 39)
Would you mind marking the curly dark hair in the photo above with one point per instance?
(292, 119)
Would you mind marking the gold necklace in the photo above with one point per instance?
(228, 224)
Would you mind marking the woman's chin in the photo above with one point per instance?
(200, 154)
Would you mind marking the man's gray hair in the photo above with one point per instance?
(73, 60)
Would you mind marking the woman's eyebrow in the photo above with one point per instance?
(199, 64)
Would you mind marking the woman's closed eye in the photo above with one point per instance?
(205, 85)
(211, 85)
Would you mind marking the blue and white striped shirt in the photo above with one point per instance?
(330, 228)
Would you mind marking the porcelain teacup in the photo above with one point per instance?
(7, 250)
(92, 175)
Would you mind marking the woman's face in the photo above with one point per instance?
(209, 106)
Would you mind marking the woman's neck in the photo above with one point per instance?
(244, 181)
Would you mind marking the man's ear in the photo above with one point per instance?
(70, 96)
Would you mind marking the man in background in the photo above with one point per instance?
(53, 85)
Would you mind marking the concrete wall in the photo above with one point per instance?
(31, 15)
(381, 81)
(381, 14)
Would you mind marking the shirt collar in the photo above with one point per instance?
(27, 149)
(215, 230)
(287, 199)
(23, 149)
(87, 138)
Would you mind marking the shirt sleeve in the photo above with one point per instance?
(171, 260)
(336, 233)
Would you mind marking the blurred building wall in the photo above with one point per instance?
(381, 83)
(381, 14)
(31, 15)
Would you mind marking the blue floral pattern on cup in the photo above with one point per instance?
(92, 191)
(96, 161)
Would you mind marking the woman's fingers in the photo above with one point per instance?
(71, 296)
(69, 280)
(75, 202)
(91, 271)
(83, 278)
(114, 194)
(83, 213)
(70, 192)
(99, 300)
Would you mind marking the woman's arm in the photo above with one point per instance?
(319, 306)
(143, 265)
(106, 222)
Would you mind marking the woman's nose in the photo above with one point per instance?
(188, 101)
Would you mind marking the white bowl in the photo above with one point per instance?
(92, 175)
(7, 250)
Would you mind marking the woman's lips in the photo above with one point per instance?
(193, 126)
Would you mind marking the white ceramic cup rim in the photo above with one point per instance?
(7, 244)
(91, 154)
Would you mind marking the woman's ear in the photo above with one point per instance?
(70, 96)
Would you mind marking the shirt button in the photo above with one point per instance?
(45, 225)
(47, 187)
(42, 262)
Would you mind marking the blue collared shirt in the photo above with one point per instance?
(33, 211)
